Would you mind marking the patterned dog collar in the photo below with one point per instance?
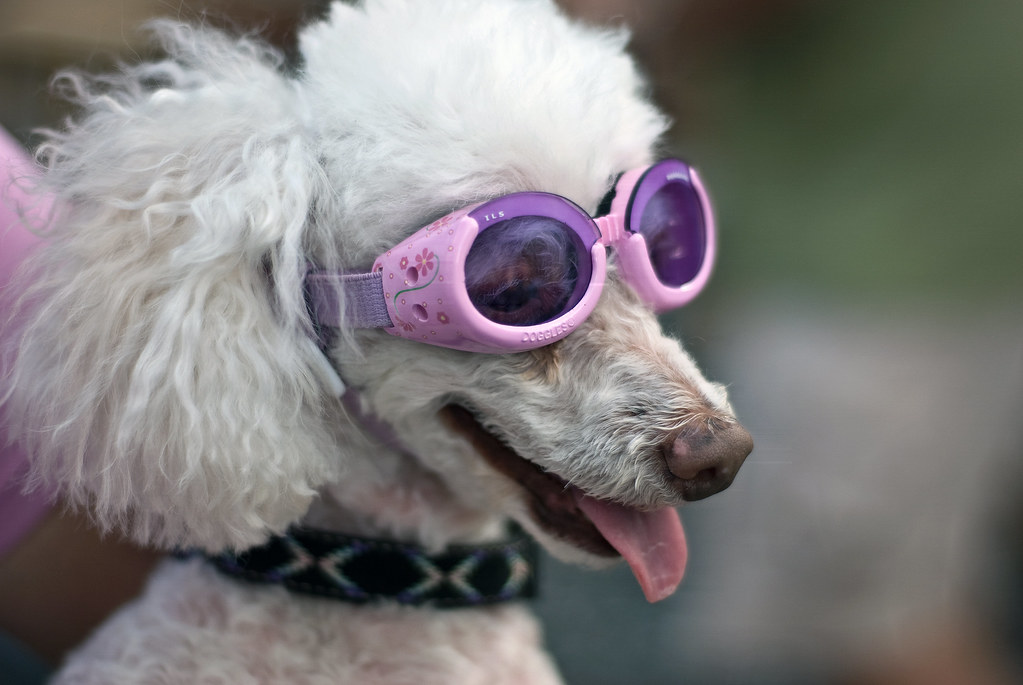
(361, 570)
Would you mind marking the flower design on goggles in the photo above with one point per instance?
(440, 223)
(424, 262)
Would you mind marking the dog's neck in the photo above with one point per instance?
(391, 495)
(392, 531)
(413, 507)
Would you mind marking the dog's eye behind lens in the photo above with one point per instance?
(673, 224)
(523, 271)
(513, 297)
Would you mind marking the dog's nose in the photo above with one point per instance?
(706, 459)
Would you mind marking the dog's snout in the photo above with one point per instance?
(706, 460)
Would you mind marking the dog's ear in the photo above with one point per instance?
(166, 378)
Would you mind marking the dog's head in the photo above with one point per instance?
(169, 377)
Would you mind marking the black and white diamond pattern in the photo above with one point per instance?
(364, 570)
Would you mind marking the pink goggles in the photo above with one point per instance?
(523, 270)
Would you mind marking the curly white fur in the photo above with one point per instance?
(272, 637)
(167, 378)
(181, 246)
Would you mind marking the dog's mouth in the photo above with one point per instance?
(651, 542)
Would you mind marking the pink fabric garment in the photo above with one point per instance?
(19, 512)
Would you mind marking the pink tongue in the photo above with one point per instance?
(651, 542)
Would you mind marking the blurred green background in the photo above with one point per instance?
(866, 151)
(867, 313)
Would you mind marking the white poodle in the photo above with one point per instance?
(212, 361)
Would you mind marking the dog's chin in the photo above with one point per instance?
(576, 527)
(552, 504)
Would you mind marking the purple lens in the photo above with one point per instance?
(526, 271)
(672, 223)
